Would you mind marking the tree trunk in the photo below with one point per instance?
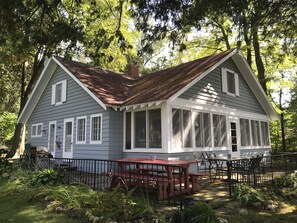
(258, 59)
(282, 122)
(19, 133)
(18, 142)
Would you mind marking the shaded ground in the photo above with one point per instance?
(217, 195)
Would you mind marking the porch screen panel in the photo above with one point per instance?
(255, 133)
(176, 128)
(245, 134)
(187, 128)
(206, 130)
(219, 130)
(128, 130)
(198, 129)
(223, 130)
(140, 129)
(265, 133)
(155, 138)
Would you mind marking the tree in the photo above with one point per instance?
(252, 21)
(31, 31)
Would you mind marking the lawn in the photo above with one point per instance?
(14, 207)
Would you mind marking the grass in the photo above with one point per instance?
(15, 207)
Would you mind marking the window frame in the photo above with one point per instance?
(63, 93)
(85, 130)
(91, 128)
(225, 89)
(34, 134)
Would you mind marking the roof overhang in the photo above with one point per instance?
(248, 75)
(255, 86)
(41, 84)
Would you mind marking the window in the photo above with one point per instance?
(219, 130)
(96, 129)
(230, 83)
(245, 134)
(202, 129)
(140, 129)
(81, 130)
(59, 92)
(181, 128)
(265, 134)
(36, 130)
(155, 128)
(255, 133)
(128, 131)
(147, 129)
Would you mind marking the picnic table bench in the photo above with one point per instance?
(162, 175)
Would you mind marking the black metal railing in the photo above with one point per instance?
(153, 179)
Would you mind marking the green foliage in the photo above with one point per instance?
(199, 212)
(289, 181)
(5, 168)
(248, 196)
(44, 177)
(7, 125)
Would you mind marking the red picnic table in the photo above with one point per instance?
(161, 174)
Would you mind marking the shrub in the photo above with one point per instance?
(289, 181)
(199, 212)
(248, 196)
(44, 177)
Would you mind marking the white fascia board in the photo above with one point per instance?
(202, 106)
(174, 96)
(37, 91)
(142, 105)
(255, 86)
(80, 84)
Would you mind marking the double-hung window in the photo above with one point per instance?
(36, 130)
(59, 92)
(81, 130)
(96, 129)
(230, 83)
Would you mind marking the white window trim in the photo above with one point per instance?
(251, 134)
(35, 135)
(64, 93)
(163, 132)
(85, 133)
(101, 131)
(225, 85)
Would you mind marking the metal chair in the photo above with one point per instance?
(216, 165)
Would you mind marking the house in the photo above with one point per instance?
(211, 104)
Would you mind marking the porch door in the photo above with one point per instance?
(52, 137)
(234, 138)
(68, 138)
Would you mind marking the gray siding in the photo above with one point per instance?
(209, 89)
(79, 103)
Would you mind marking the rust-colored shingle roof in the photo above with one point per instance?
(115, 89)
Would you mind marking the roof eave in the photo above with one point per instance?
(37, 91)
(255, 86)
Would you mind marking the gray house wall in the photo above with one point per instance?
(209, 90)
(79, 103)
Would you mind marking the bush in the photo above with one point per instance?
(44, 177)
(199, 212)
(5, 168)
(289, 181)
(248, 196)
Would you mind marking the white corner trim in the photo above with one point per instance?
(174, 96)
(80, 84)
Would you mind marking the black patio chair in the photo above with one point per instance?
(201, 161)
(217, 166)
(250, 169)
